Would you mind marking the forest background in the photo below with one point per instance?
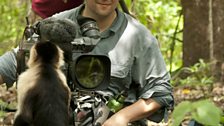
(193, 84)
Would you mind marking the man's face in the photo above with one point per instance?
(101, 7)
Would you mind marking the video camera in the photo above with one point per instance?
(84, 71)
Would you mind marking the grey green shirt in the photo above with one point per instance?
(136, 60)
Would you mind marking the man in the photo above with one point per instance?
(137, 65)
(136, 61)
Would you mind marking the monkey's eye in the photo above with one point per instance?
(91, 72)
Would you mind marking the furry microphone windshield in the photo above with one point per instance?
(60, 31)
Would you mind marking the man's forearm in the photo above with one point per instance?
(140, 109)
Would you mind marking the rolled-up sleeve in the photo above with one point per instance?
(137, 62)
(8, 67)
(149, 71)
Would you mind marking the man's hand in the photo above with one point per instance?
(138, 110)
(117, 119)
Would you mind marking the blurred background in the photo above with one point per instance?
(190, 34)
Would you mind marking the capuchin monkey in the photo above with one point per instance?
(43, 94)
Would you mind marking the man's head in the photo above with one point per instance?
(100, 8)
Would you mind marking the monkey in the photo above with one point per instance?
(42, 92)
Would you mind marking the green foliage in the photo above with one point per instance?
(2, 114)
(11, 105)
(11, 20)
(161, 17)
(222, 120)
(203, 111)
(3, 106)
(180, 111)
(198, 74)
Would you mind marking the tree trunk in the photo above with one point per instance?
(218, 37)
(203, 33)
(196, 31)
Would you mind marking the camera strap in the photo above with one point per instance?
(124, 6)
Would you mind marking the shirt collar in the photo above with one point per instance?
(116, 25)
(117, 22)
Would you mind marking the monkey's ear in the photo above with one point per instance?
(33, 57)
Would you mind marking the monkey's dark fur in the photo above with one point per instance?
(43, 94)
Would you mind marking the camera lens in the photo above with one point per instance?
(90, 72)
(88, 27)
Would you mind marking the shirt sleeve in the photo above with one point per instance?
(137, 62)
(149, 69)
(8, 67)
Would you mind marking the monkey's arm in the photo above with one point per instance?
(24, 112)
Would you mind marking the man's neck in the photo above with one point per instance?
(105, 22)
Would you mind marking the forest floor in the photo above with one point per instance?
(181, 93)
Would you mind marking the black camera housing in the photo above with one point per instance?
(84, 71)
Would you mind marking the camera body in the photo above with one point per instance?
(81, 65)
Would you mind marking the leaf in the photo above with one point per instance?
(180, 111)
(206, 113)
(222, 120)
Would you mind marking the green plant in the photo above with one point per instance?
(203, 111)
(3, 105)
(162, 18)
(12, 20)
(198, 74)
